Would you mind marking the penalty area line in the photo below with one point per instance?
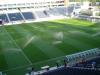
(16, 68)
(33, 64)
(18, 47)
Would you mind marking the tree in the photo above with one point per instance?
(93, 2)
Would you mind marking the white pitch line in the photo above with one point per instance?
(33, 64)
(96, 34)
(29, 41)
(26, 57)
(19, 48)
(16, 68)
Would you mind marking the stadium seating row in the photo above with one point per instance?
(78, 70)
(16, 16)
(89, 64)
(73, 71)
(87, 67)
(29, 15)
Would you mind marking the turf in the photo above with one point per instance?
(44, 43)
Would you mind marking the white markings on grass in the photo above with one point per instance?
(57, 42)
(29, 41)
(16, 68)
(19, 47)
(96, 34)
(13, 49)
(20, 67)
(59, 35)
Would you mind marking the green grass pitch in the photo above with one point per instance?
(44, 43)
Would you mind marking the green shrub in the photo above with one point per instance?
(98, 14)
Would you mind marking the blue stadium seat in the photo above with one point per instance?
(4, 18)
(73, 71)
(41, 14)
(62, 10)
(54, 12)
(28, 15)
(84, 68)
(15, 16)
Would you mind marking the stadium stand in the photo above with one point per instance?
(24, 15)
(53, 12)
(0, 21)
(15, 16)
(93, 63)
(4, 18)
(82, 63)
(82, 56)
(62, 10)
(90, 67)
(46, 13)
(32, 10)
(41, 14)
(69, 10)
(72, 71)
(28, 15)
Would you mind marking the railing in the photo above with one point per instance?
(94, 19)
(71, 60)
(82, 56)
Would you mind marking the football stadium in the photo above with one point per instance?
(49, 37)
